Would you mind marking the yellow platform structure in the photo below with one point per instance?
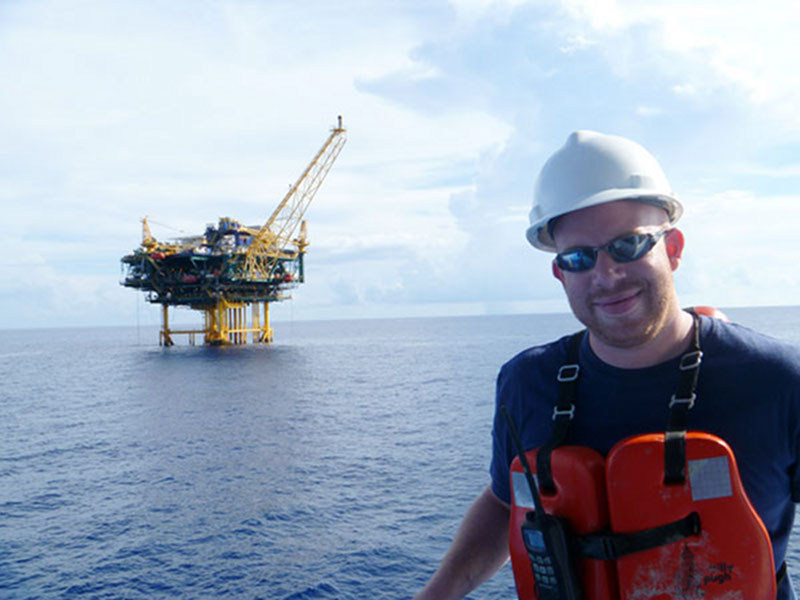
(225, 323)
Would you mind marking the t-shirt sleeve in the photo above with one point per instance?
(500, 444)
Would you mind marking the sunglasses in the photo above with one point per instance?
(625, 248)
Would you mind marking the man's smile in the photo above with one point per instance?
(619, 303)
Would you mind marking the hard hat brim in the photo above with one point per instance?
(538, 234)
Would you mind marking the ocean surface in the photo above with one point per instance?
(335, 463)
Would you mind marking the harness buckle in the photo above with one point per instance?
(691, 360)
(690, 401)
(568, 373)
(570, 412)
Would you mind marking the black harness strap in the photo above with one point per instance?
(675, 437)
(610, 546)
(780, 574)
(680, 404)
(562, 413)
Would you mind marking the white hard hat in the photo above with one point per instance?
(593, 168)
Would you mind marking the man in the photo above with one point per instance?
(603, 205)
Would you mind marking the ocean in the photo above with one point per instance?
(335, 463)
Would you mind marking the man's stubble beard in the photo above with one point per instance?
(628, 331)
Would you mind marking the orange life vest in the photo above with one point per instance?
(730, 557)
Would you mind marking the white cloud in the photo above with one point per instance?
(630, 73)
(649, 111)
(188, 112)
(740, 249)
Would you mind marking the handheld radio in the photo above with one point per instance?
(547, 539)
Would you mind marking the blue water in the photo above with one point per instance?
(336, 463)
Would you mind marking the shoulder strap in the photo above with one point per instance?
(680, 404)
(563, 412)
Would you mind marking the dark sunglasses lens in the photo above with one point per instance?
(579, 259)
(631, 247)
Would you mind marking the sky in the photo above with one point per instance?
(192, 110)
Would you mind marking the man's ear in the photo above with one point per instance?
(557, 272)
(674, 242)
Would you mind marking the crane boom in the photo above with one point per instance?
(271, 242)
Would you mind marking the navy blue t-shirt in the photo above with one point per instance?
(748, 393)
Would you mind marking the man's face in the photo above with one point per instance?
(623, 304)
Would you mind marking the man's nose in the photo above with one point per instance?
(606, 268)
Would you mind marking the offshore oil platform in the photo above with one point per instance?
(231, 266)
